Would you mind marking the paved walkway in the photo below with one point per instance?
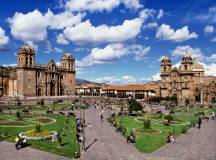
(8, 152)
(104, 143)
(110, 145)
(194, 145)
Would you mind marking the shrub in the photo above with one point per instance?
(18, 114)
(147, 122)
(38, 127)
(184, 129)
(134, 106)
(169, 118)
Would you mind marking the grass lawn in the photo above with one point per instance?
(146, 142)
(70, 145)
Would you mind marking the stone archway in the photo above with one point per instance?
(52, 88)
(39, 92)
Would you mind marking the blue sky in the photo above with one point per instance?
(113, 41)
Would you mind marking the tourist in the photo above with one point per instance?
(101, 116)
(213, 115)
(172, 139)
(131, 138)
(199, 122)
(19, 142)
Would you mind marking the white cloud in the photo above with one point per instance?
(213, 39)
(147, 13)
(138, 51)
(3, 38)
(160, 14)
(29, 27)
(124, 80)
(209, 16)
(165, 32)
(210, 69)
(59, 50)
(62, 20)
(187, 50)
(9, 65)
(156, 77)
(33, 26)
(99, 5)
(111, 53)
(85, 32)
(61, 39)
(150, 25)
(208, 29)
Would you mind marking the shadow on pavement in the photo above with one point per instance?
(90, 144)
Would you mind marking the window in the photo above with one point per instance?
(185, 67)
(26, 60)
(164, 68)
(30, 61)
(38, 74)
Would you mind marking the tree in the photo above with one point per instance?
(134, 106)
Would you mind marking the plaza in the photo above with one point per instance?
(108, 80)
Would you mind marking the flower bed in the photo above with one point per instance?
(37, 136)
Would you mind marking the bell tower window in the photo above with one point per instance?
(185, 67)
(164, 68)
(26, 60)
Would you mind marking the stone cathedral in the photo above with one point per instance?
(188, 81)
(28, 79)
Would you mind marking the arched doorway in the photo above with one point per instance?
(39, 92)
(52, 88)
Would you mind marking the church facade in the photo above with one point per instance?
(188, 81)
(28, 79)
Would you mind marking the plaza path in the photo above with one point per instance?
(104, 143)
(194, 145)
(8, 152)
(109, 145)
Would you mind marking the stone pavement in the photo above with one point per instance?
(9, 152)
(110, 145)
(194, 145)
(104, 143)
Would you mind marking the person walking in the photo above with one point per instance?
(199, 122)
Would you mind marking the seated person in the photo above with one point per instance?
(131, 138)
(50, 110)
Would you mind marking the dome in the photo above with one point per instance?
(68, 56)
(197, 66)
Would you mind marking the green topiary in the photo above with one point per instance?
(38, 127)
(169, 118)
(147, 121)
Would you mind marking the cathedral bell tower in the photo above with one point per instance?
(26, 71)
(68, 65)
(26, 56)
(166, 66)
(186, 64)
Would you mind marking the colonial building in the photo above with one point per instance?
(29, 79)
(188, 81)
(134, 91)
